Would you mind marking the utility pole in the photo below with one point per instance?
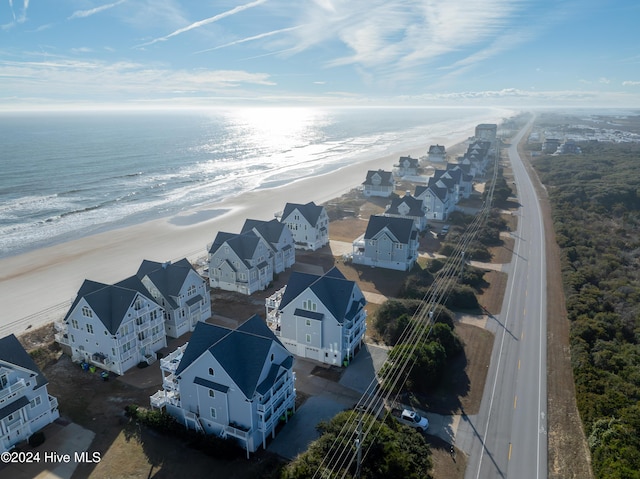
(359, 449)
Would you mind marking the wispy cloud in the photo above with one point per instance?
(93, 11)
(630, 83)
(206, 21)
(251, 39)
(17, 19)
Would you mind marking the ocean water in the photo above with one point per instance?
(72, 174)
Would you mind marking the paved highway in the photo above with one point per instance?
(508, 437)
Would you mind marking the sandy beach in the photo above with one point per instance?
(36, 287)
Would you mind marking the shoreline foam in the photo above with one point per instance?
(38, 285)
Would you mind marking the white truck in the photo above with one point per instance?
(412, 418)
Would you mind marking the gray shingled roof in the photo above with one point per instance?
(414, 204)
(310, 211)
(167, 277)
(270, 230)
(332, 289)
(242, 352)
(12, 352)
(400, 228)
(244, 245)
(386, 178)
(109, 302)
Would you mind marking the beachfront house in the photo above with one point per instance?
(234, 383)
(114, 327)
(319, 317)
(408, 207)
(309, 225)
(180, 290)
(437, 199)
(459, 173)
(388, 242)
(279, 239)
(436, 154)
(487, 132)
(406, 166)
(378, 183)
(240, 262)
(25, 404)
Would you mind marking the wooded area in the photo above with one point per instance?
(596, 211)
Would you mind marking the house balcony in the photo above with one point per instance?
(238, 431)
(62, 338)
(126, 338)
(170, 362)
(53, 402)
(273, 301)
(163, 398)
(170, 382)
(11, 391)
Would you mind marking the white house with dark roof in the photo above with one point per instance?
(408, 207)
(278, 237)
(437, 199)
(406, 166)
(388, 242)
(25, 404)
(436, 153)
(180, 290)
(378, 183)
(487, 132)
(114, 327)
(319, 317)
(234, 383)
(308, 223)
(240, 262)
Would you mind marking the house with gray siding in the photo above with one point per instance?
(408, 207)
(114, 327)
(278, 237)
(320, 317)
(25, 405)
(240, 262)
(378, 183)
(308, 223)
(234, 383)
(388, 242)
(180, 290)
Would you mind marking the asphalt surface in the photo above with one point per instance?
(508, 437)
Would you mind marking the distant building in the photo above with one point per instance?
(309, 225)
(487, 132)
(569, 147)
(234, 383)
(550, 145)
(408, 207)
(378, 183)
(25, 405)
(388, 242)
(406, 166)
(436, 154)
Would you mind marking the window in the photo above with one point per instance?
(192, 290)
(138, 305)
(213, 413)
(35, 402)
(86, 312)
(308, 338)
(211, 372)
(309, 305)
(3, 380)
(212, 393)
(308, 322)
(74, 324)
(90, 328)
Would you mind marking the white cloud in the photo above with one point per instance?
(204, 22)
(604, 80)
(250, 39)
(630, 83)
(93, 11)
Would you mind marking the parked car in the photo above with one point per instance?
(411, 418)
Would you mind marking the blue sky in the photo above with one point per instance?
(157, 53)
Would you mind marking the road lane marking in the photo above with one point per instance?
(515, 402)
(518, 364)
(509, 451)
